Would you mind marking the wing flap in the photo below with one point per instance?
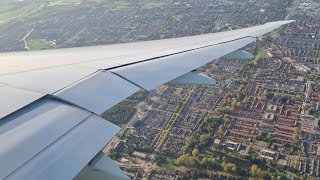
(98, 92)
(193, 78)
(65, 158)
(27, 132)
(102, 168)
(36, 128)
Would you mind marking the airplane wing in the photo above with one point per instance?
(51, 100)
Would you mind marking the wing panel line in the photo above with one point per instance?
(146, 60)
(127, 80)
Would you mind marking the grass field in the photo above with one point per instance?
(177, 91)
(121, 5)
(10, 11)
(154, 5)
(38, 44)
(5, 8)
(51, 11)
(31, 10)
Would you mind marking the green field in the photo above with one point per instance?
(9, 11)
(177, 91)
(121, 5)
(5, 8)
(154, 5)
(51, 11)
(31, 10)
(38, 44)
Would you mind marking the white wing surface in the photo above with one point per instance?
(50, 100)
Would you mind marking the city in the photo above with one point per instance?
(260, 120)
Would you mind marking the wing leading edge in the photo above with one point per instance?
(51, 100)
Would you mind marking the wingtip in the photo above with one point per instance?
(280, 23)
(288, 21)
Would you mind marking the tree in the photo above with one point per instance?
(225, 109)
(160, 160)
(241, 172)
(234, 168)
(223, 164)
(226, 168)
(266, 176)
(297, 98)
(204, 139)
(195, 153)
(229, 167)
(234, 103)
(226, 119)
(187, 160)
(224, 159)
(114, 155)
(205, 162)
(192, 139)
(254, 169)
(221, 129)
(183, 159)
(210, 174)
(192, 161)
(253, 153)
(191, 142)
(260, 173)
(295, 137)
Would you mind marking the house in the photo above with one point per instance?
(269, 154)
(139, 155)
(234, 146)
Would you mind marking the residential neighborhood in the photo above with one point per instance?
(259, 121)
(262, 112)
